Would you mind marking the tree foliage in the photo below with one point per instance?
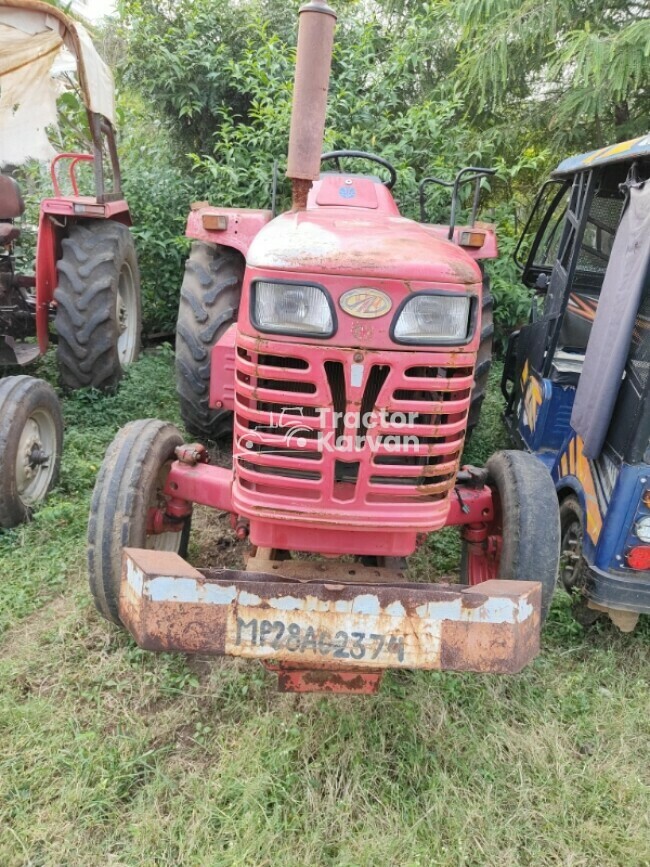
(577, 69)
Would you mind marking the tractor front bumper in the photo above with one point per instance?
(336, 632)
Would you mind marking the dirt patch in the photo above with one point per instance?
(213, 543)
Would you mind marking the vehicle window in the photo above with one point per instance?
(537, 218)
(546, 252)
(595, 250)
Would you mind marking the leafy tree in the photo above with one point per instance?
(576, 68)
(179, 54)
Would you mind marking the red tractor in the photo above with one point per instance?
(340, 342)
(86, 279)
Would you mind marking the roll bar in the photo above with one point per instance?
(470, 173)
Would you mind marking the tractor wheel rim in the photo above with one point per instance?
(162, 541)
(570, 554)
(36, 457)
(127, 317)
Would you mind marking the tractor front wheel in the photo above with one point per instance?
(98, 306)
(31, 441)
(129, 487)
(209, 303)
(524, 538)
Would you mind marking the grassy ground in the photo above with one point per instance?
(109, 755)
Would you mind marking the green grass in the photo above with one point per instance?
(109, 755)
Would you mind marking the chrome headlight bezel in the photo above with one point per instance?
(472, 317)
(281, 330)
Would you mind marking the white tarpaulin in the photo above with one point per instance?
(99, 78)
(27, 94)
(29, 43)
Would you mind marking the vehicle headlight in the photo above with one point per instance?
(431, 318)
(292, 308)
(642, 529)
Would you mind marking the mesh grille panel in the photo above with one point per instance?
(596, 247)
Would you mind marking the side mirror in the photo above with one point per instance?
(541, 284)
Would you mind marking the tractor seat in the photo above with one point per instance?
(11, 201)
(8, 234)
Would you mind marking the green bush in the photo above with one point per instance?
(159, 189)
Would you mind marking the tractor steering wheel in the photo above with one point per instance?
(336, 156)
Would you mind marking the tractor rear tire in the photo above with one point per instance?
(98, 313)
(31, 442)
(529, 518)
(130, 482)
(209, 303)
(483, 358)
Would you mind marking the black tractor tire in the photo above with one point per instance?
(31, 442)
(530, 522)
(483, 358)
(130, 482)
(210, 297)
(98, 305)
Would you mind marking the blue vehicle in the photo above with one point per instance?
(577, 377)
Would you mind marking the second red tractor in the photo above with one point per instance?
(86, 284)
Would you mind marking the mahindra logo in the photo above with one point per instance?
(365, 303)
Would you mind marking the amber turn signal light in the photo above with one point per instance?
(215, 222)
(472, 239)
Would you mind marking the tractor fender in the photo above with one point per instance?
(228, 227)
(56, 215)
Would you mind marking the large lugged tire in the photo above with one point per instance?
(31, 442)
(130, 482)
(528, 521)
(98, 314)
(483, 359)
(209, 303)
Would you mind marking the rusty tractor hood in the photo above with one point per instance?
(348, 241)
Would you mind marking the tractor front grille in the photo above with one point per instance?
(319, 427)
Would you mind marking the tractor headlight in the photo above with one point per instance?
(430, 318)
(642, 529)
(292, 308)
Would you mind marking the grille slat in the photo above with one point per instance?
(429, 407)
(288, 479)
(290, 397)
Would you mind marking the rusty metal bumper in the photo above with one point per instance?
(317, 625)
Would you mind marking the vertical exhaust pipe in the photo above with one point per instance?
(313, 64)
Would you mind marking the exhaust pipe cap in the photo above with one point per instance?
(318, 6)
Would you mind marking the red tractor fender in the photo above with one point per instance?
(56, 215)
(228, 227)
